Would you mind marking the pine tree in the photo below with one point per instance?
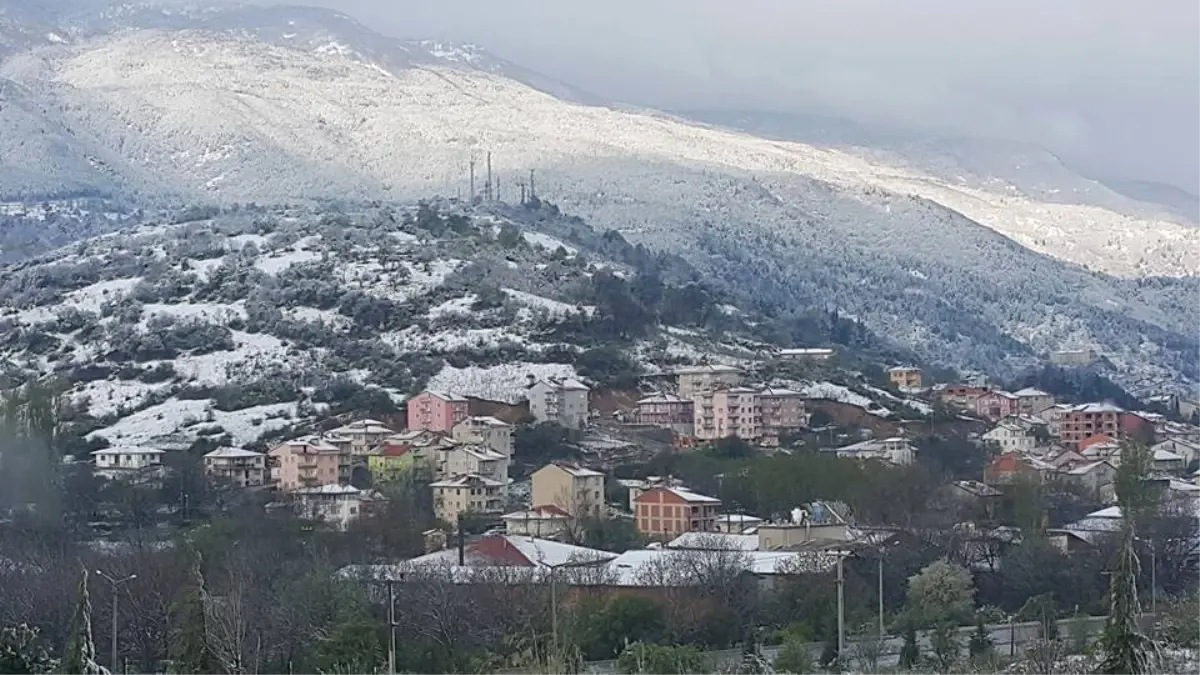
(80, 655)
(910, 653)
(1126, 648)
(980, 643)
(189, 644)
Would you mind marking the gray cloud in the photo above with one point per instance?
(1111, 86)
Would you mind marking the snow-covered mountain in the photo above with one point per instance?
(280, 105)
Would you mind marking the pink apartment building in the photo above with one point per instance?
(308, 462)
(996, 405)
(749, 413)
(436, 411)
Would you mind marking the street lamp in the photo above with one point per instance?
(841, 602)
(116, 583)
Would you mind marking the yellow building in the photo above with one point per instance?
(577, 490)
(391, 463)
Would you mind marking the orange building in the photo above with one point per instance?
(668, 512)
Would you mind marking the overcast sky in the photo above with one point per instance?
(1112, 86)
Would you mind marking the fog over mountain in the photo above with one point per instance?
(1112, 88)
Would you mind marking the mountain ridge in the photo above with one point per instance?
(944, 268)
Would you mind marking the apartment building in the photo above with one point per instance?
(667, 411)
(575, 489)
(487, 431)
(905, 377)
(359, 437)
(750, 413)
(1090, 419)
(692, 380)
(479, 460)
(1032, 401)
(436, 411)
(667, 512)
(308, 462)
(563, 401)
(243, 468)
(464, 495)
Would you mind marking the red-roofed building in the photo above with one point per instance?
(1093, 440)
(962, 395)
(1007, 467)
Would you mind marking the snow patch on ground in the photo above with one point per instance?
(547, 242)
(455, 306)
(497, 383)
(554, 307)
(107, 397)
(217, 313)
(249, 424)
(836, 392)
(280, 261)
(253, 352)
(155, 426)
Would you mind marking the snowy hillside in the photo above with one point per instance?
(284, 105)
(252, 321)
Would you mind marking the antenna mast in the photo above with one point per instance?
(489, 176)
(472, 179)
(532, 192)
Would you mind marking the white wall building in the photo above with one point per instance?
(127, 457)
(563, 401)
(1011, 437)
(244, 468)
(489, 431)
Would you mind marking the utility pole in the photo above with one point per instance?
(472, 179)
(115, 583)
(521, 184)
(841, 604)
(532, 192)
(391, 592)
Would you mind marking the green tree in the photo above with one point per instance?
(1126, 648)
(940, 593)
(980, 643)
(640, 657)
(352, 646)
(21, 653)
(188, 649)
(795, 658)
(944, 646)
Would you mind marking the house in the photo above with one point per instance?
(308, 461)
(463, 495)
(1165, 461)
(479, 460)
(436, 411)
(961, 395)
(667, 512)
(692, 380)
(895, 450)
(805, 354)
(905, 377)
(391, 462)
(485, 430)
(337, 505)
(127, 458)
(1089, 419)
(737, 523)
(540, 521)
(1008, 467)
(667, 411)
(425, 446)
(235, 466)
(1097, 477)
(637, 486)
(1032, 401)
(1188, 450)
(359, 437)
(1011, 436)
(976, 494)
(996, 405)
(563, 401)
(577, 490)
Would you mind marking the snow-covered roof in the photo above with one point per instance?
(715, 541)
(128, 450)
(662, 398)
(1029, 392)
(1164, 455)
(331, 489)
(315, 444)
(669, 567)
(485, 421)
(1098, 408)
(502, 549)
(804, 351)
(482, 452)
(778, 391)
(903, 369)
(546, 512)
(446, 396)
(364, 427)
(574, 469)
(706, 369)
(232, 453)
(683, 493)
(1083, 469)
(738, 518)
(468, 480)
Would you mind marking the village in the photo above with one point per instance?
(461, 451)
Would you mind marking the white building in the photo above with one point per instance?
(243, 468)
(894, 450)
(1010, 436)
(547, 521)
(693, 380)
(127, 458)
(489, 431)
(337, 505)
(563, 401)
(360, 437)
